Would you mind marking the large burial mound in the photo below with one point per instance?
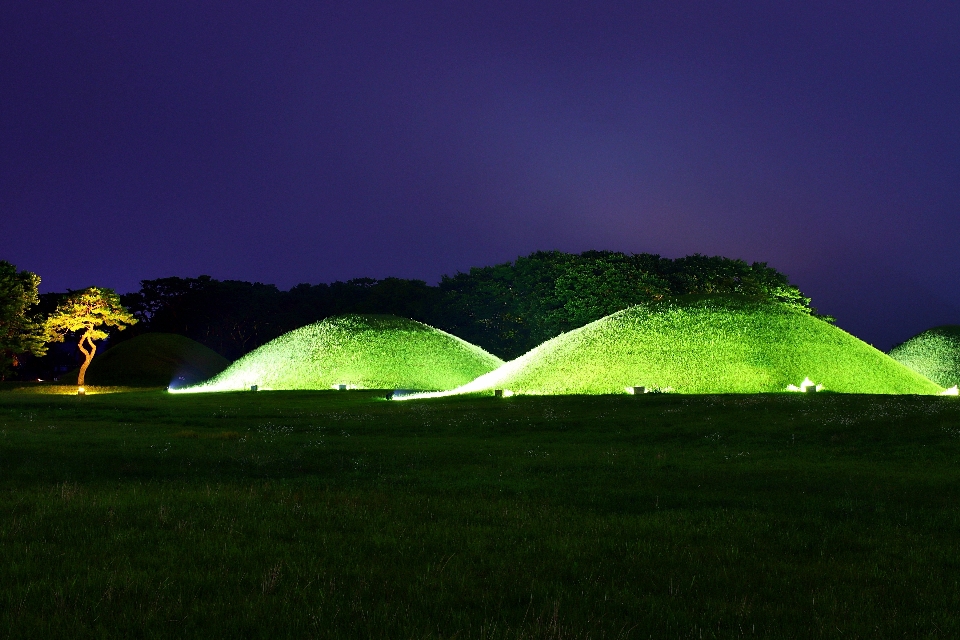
(935, 353)
(704, 344)
(362, 352)
(154, 360)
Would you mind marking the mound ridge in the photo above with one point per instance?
(935, 354)
(154, 360)
(360, 351)
(704, 344)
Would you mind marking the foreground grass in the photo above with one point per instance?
(342, 515)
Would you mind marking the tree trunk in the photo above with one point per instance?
(88, 355)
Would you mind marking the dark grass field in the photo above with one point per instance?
(338, 514)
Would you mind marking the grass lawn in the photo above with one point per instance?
(338, 514)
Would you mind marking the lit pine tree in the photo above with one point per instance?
(85, 312)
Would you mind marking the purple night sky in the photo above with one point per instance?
(288, 142)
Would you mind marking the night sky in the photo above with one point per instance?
(288, 142)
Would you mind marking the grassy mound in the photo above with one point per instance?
(362, 352)
(935, 353)
(153, 360)
(704, 344)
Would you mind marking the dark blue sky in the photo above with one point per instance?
(289, 142)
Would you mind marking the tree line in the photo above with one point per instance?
(507, 309)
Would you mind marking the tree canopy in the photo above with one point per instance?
(84, 313)
(233, 317)
(507, 309)
(20, 330)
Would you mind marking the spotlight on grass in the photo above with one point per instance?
(81, 391)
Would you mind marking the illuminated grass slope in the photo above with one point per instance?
(153, 360)
(703, 344)
(360, 351)
(935, 353)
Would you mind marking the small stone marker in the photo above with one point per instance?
(341, 387)
(498, 393)
(253, 387)
(639, 391)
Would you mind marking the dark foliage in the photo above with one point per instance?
(20, 330)
(506, 309)
(234, 317)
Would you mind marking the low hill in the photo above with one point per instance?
(153, 360)
(360, 351)
(935, 353)
(704, 344)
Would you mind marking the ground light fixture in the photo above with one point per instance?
(807, 386)
(952, 391)
(81, 391)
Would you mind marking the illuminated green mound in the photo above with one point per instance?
(362, 352)
(704, 344)
(153, 360)
(935, 353)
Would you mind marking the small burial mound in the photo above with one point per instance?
(361, 352)
(153, 360)
(703, 344)
(935, 353)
